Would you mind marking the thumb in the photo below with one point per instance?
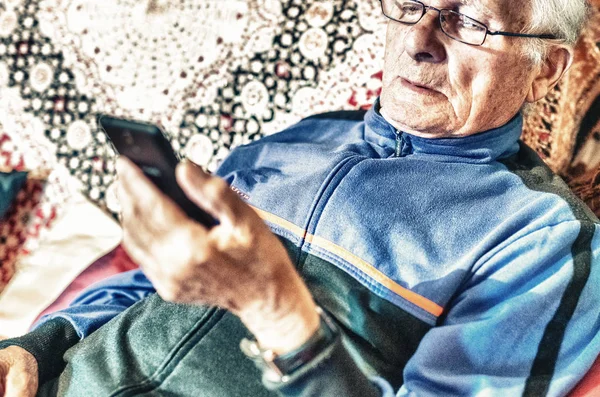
(3, 373)
(20, 384)
(212, 194)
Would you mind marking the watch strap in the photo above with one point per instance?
(278, 368)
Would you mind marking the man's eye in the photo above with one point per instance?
(467, 23)
(410, 8)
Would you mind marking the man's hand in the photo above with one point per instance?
(18, 373)
(238, 265)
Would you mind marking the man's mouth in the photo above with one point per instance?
(417, 87)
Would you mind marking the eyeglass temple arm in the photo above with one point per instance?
(539, 36)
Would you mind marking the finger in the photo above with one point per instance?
(212, 194)
(144, 196)
(143, 205)
(133, 247)
(162, 255)
(133, 180)
(136, 232)
(19, 384)
(134, 221)
(159, 235)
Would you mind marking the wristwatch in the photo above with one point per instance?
(279, 368)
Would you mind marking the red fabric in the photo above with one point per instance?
(114, 262)
(590, 385)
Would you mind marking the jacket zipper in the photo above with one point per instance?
(398, 150)
(327, 187)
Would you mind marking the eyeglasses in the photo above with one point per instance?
(454, 25)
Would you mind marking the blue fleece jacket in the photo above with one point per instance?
(455, 266)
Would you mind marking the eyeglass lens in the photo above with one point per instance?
(455, 25)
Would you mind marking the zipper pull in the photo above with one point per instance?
(398, 150)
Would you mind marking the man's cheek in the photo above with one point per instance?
(394, 46)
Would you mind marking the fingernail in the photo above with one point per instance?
(121, 165)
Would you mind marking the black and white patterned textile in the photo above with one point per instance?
(213, 73)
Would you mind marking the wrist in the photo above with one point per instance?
(285, 326)
(281, 368)
(288, 333)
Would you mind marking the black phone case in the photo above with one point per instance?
(149, 149)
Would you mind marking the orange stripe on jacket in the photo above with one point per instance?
(418, 300)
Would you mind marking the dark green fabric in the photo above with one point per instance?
(157, 348)
(10, 184)
(163, 349)
(47, 344)
(332, 373)
(380, 336)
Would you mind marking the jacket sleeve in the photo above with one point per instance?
(525, 323)
(102, 301)
(56, 332)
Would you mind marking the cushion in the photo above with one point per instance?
(10, 184)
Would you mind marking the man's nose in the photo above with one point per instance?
(422, 42)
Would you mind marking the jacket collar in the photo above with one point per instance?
(482, 147)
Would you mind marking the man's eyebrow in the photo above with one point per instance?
(480, 8)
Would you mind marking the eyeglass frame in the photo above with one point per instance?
(426, 8)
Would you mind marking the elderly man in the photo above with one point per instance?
(418, 249)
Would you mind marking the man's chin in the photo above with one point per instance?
(412, 119)
(392, 117)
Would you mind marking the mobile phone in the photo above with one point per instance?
(146, 146)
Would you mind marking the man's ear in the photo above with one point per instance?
(551, 70)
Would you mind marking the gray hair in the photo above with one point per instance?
(563, 18)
